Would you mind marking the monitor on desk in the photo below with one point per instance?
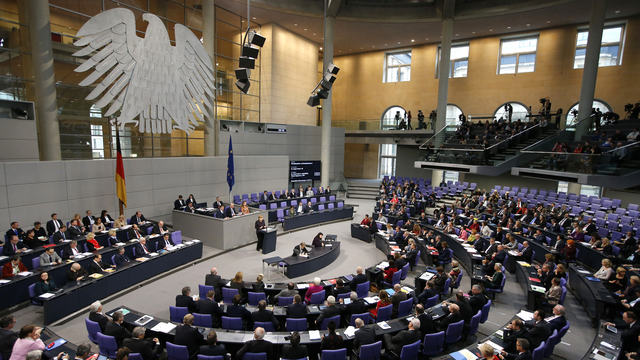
(329, 237)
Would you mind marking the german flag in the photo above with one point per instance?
(120, 183)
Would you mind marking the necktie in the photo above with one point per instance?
(145, 249)
(75, 250)
(15, 231)
(63, 237)
(15, 248)
(137, 234)
(166, 242)
(55, 223)
(50, 259)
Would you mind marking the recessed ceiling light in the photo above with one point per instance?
(548, 21)
(528, 24)
(361, 48)
(254, 18)
(216, 64)
(508, 27)
(457, 34)
(339, 50)
(490, 29)
(473, 32)
(321, 48)
(305, 29)
(385, 44)
(412, 40)
(398, 42)
(373, 46)
(295, 24)
(617, 11)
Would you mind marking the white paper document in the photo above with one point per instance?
(350, 331)
(313, 335)
(47, 295)
(164, 327)
(525, 315)
(383, 325)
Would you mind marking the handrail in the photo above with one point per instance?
(511, 137)
(444, 128)
(622, 147)
(556, 153)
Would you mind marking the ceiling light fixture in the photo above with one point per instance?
(457, 34)
(548, 21)
(295, 24)
(617, 11)
(528, 25)
(508, 27)
(412, 40)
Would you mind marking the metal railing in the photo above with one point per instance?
(440, 136)
(609, 163)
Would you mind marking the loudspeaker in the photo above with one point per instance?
(329, 78)
(333, 69)
(249, 51)
(247, 63)
(243, 85)
(243, 74)
(325, 85)
(313, 101)
(322, 94)
(256, 39)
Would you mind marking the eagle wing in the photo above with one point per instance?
(112, 35)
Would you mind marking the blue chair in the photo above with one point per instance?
(395, 279)
(362, 290)
(538, 353)
(370, 352)
(296, 324)
(334, 354)
(108, 346)
(447, 285)
(205, 357)
(325, 322)
(256, 356)
(228, 294)
(317, 298)
(500, 289)
(35, 262)
(404, 272)
(32, 295)
(93, 328)
(203, 290)
(266, 325)
(284, 301)
(254, 298)
(553, 340)
(176, 237)
(203, 320)
(473, 325)
(410, 352)
(384, 313)
(431, 302)
(404, 308)
(230, 323)
(321, 208)
(564, 330)
(343, 296)
(176, 314)
(135, 356)
(432, 343)
(457, 283)
(454, 332)
(177, 352)
(366, 317)
(563, 296)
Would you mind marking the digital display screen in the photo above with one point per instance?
(300, 171)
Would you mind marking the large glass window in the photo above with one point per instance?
(609, 49)
(459, 62)
(572, 115)
(563, 186)
(520, 112)
(453, 114)
(452, 176)
(388, 120)
(388, 159)
(397, 67)
(518, 55)
(590, 190)
(97, 143)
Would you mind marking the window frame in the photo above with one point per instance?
(518, 37)
(392, 158)
(399, 67)
(451, 62)
(623, 36)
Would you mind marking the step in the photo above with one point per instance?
(364, 197)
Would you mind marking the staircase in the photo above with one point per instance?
(513, 150)
(363, 188)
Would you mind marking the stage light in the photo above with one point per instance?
(247, 63)
(249, 51)
(333, 69)
(313, 101)
(256, 39)
(243, 85)
(243, 74)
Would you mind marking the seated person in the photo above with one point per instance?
(288, 292)
(13, 267)
(39, 230)
(120, 257)
(522, 350)
(135, 232)
(141, 247)
(294, 350)
(213, 349)
(515, 331)
(166, 243)
(138, 219)
(105, 218)
(331, 310)
(317, 241)
(159, 228)
(97, 266)
(257, 345)
(427, 293)
(116, 328)
(264, 315)
(238, 311)
(495, 281)
(13, 247)
(383, 295)
(147, 348)
(404, 337)
(75, 230)
(50, 257)
(185, 300)
(538, 328)
(332, 341)
(300, 249)
(454, 316)
(298, 309)
(98, 226)
(120, 222)
(188, 336)
(258, 286)
(30, 239)
(71, 251)
(44, 284)
(340, 288)
(77, 273)
(92, 244)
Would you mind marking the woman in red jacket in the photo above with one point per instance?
(384, 301)
(13, 267)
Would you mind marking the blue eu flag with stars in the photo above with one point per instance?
(230, 176)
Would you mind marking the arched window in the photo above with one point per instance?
(597, 103)
(388, 120)
(453, 112)
(520, 112)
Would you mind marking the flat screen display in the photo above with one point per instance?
(300, 171)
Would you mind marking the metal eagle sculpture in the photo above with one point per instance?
(146, 77)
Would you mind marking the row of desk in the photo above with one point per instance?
(316, 217)
(317, 259)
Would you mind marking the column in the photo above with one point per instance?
(574, 188)
(436, 177)
(443, 78)
(208, 40)
(590, 71)
(325, 150)
(43, 74)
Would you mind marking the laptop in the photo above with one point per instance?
(329, 237)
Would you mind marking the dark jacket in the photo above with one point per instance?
(404, 337)
(290, 352)
(256, 346)
(7, 339)
(101, 319)
(557, 323)
(188, 302)
(297, 311)
(426, 324)
(511, 337)
(214, 350)
(366, 335)
(540, 332)
(444, 322)
(145, 347)
(206, 306)
(477, 302)
(358, 279)
(189, 337)
(265, 316)
(329, 312)
(117, 331)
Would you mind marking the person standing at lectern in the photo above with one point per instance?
(260, 225)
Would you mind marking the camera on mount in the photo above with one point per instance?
(628, 107)
(543, 100)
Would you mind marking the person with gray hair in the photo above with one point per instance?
(149, 349)
(77, 273)
(477, 300)
(257, 345)
(404, 337)
(37, 355)
(365, 335)
(360, 278)
(557, 321)
(95, 314)
(264, 315)
(330, 311)
(495, 281)
(83, 351)
(288, 292)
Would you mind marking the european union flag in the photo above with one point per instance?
(230, 175)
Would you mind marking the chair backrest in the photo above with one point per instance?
(202, 320)
(343, 296)
(475, 323)
(395, 278)
(432, 301)
(176, 314)
(538, 353)
(447, 285)
(564, 329)
(454, 332)
(267, 326)
(553, 340)
(254, 298)
(330, 206)
(458, 279)
(107, 344)
(417, 259)
(485, 312)
(32, 294)
(384, 313)
(323, 199)
(325, 322)
(296, 324)
(404, 308)
(371, 351)
(35, 263)
(205, 357)
(177, 352)
(341, 204)
(203, 290)
(563, 296)
(93, 328)
(334, 354)
(410, 352)
(284, 301)
(230, 323)
(433, 343)
(320, 207)
(362, 290)
(262, 207)
(135, 356)
(404, 272)
(228, 294)
(317, 298)
(364, 316)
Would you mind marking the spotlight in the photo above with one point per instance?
(243, 85)
(243, 74)
(323, 94)
(329, 78)
(247, 63)
(313, 101)
(256, 39)
(249, 51)
(325, 85)
(543, 100)
(321, 91)
(333, 69)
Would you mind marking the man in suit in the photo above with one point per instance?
(213, 279)
(116, 329)
(238, 311)
(15, 230)
(7, 337)
(426, 321)
(515, 330)
(141, 247)
(298, 309)
(61, 235)
(264, 197)
(589, 227)
(49, 257)
(288, 292)
(428, 292)
(137, 219)
(185, 300)
(71, 251)
(340, 288)
(631, 331)
(500, 255)
(527, 252)
(264, 315)
(365, 335)
(120, 257)
(209, 306)
(75, 230)
(159, 228)
(357, 306)
(76, 273)
(300, 249)
(284, 195)
(212, 348)
(13, 247)
(95, 314)
(465, 309)
(329, 311)
(557, 321)
(539, 329)
(165, 243)
(88, 220)
(477, 300)
(147, 348)
(404, 337)
(493, 247)
(555, 227)
(360, 278)
(82, 351)
(188, 336)
(54, 224)
(396, 298)
(179, 204)
(230, 211)
(97, 266)
(190, 209)
(522, 348)
(135, 232)
(257, 345)
(566, 221)
(453, 317)
(272, 196)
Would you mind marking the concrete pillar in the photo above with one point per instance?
(208, 40)
(590, 71)
(43, 73)
(443, 77)
(436, 177)
(325, 149)
(574, 188)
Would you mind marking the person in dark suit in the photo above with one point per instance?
(396, 298)
(190, 209)
(331, 341)
(165, 242)
(258, 345)
(360, 278)
(340, 288)
(527, 252)
(137, 219)
(453, 317)
(515, 330)
(264, 198)
(142, 248)
(477, 300)
(75, 230)
(159, 228)
(294, 350)
(7, 337)
(426, 321)
(230, 211)
(88, 220)
(522, 348)
(15, 230)
(260, 225)
(95, 314)
(298, 309)
(272, 196)
(54, 224)
(61, 235)
(13, 247)
(631, 328)
(188, 336)
(427, 293)
(135, 232)
(264, 315)
(357, 306)
(185, 300)
(317, 241)
(147, 348)
(557, 321)
(179, 204)
(300, 249)
(329, 311)
(212, 348)
(71, 251)
(213, 279)
(238, 311)
(192, 200)
(404, 337)
(546, 274)
(116, 329)
(97, 266)
(120, 257)
(76, 273)
(218, 204)
(465, 309)
(209, 306)
(539, 329)
(38, 231)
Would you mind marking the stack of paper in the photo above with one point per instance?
(525, 315)
(314, 335)
(164, 327)
(24, 273)
(303, 286)
(407, 289)
(495, 346)
(153, 254)
(350, 331)
(47, 295)
(383, 325)
(4, 281)
(196, 241)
